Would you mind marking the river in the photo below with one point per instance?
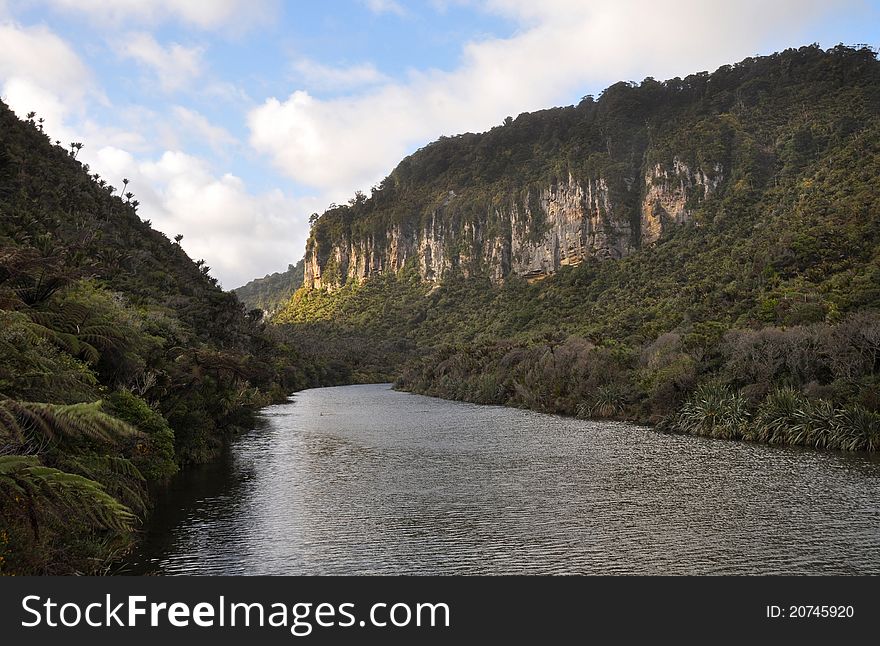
(367, 480)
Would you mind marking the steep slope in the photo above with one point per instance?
(120, 360)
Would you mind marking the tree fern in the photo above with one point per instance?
(119, 476)
(47, 491)
(68, 342)
(23, 422)
(74, 327)
(32, 275)
(31, 367)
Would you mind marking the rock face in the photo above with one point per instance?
(532, 235)
(667, 194)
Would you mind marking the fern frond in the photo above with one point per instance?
(43, 318)
(10, 428)
(58, 493)
(53, 421)
(115, 465)
(11, 463)
(67, 341)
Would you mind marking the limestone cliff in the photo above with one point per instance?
(531, 234)
(596, 181)
(668, 193)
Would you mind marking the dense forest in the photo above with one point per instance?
(121, 360)
(757, 319)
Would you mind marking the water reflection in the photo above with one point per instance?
(365, 480)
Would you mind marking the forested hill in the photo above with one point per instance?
(602, 179)
(702, 252)
(272, 291)
(120, 359)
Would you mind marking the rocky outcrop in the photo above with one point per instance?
(546, 228)
(668, 192)
(575, 221)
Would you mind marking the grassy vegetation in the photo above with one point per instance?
(784, 416)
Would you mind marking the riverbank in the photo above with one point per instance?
(784, 417)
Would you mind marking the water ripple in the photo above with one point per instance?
(365, 480)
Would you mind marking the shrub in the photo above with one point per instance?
(859, 429)
(782, 415)
(714, 410)
(154, 454)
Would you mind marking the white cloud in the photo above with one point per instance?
(23, 96)
(37, 54)
(563, 48)
(175, 66)
(36, 67)
(324, 77)
(233, 15)
(385, 6)
(199, 129)
(239, 234)
(227, 92)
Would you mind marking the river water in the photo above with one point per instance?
(367, 480)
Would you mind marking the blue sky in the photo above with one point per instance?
(236, 119)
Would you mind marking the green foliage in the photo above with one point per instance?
(153, 454)
(31, 366)
(64, 492)
(43, 508)
(30, 423)
(784, 409)
(859, 429)
(785, 416)
(715, 411)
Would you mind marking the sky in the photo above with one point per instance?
(234, 120)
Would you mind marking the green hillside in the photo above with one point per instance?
(121, 360)
(272, 291)
(763, 306)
